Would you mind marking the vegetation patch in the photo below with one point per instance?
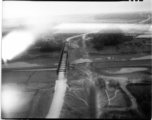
(109, 38)
(142, 93)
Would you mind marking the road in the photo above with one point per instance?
(149, 17)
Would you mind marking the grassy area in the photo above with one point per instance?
(142, 93)
(130, 114)
(114, 41)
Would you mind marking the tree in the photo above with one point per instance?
(113, 84)
(100, 83)
(49, 45)
(109, 37)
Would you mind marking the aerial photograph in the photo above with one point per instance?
(71, 59)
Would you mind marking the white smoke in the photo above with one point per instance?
(25, 34)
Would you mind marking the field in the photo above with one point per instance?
(142, 93)
(109, 73)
